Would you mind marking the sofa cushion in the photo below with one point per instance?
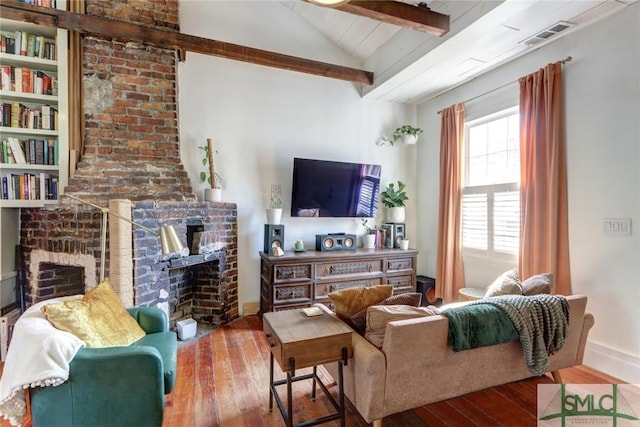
(538, 284)
(99, 318)
(347, 302)
(379, 315)
(359, 320)
(508, 283)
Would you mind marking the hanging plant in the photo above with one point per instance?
(400, 133)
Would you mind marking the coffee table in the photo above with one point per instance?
(297, 342)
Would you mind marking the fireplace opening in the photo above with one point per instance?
(56, 280)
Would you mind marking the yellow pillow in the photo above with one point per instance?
(349, 301)
(99, 318)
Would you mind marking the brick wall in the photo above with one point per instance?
(131, 147)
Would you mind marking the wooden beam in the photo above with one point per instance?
(113, 29)
(419, 18)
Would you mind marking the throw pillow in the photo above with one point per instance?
(359, 320)
(347, 302)
(508, 283)
(538, 284)
(379, 315)
(99, 318)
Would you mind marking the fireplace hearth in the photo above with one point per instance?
(63, 241)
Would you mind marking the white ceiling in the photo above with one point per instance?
(411, 66)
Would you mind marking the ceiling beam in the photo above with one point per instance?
(113, 29)
(419, 18)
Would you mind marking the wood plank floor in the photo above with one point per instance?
(223, 378)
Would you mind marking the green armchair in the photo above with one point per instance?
(116, 386)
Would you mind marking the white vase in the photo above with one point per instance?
(212, 194)
(409, 139)
(369, 241)
(274, 215)
(395, 214)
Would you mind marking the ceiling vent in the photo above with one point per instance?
(548, 33)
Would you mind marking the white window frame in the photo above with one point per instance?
(490, 191)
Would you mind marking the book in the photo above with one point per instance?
(312, 311)
(7, 322)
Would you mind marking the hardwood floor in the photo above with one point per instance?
(223, 378)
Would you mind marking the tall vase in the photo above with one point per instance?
(395, 214)
(274, 215)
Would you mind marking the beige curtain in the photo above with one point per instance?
(449, 268)
(76, 114)
(544, 233)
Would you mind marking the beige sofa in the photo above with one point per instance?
(416, 366)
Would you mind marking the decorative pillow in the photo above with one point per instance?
(99, 318)
(508, 283)
(347, 302)
(538, 284)
(359, 320)
(379, 315)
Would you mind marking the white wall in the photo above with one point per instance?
(260, 118)
(602, 97)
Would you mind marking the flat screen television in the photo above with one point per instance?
(324, 188)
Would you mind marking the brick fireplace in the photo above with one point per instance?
(131, 151)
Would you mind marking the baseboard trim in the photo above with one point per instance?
(250, 308)
(623, 366)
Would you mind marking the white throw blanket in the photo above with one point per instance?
(39, 355)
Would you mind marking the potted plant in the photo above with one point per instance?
(274, 211)
(406, 133)
(213, 193)
(369, 239)
(394, 198)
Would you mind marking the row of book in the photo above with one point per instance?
(17, 115)
(29, 151)
(26, 80)
(27, 44)
(29, 186)
(44, 3)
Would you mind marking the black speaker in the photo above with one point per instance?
(273, 235)
(335, 242)
(394, 232)
(427, 287)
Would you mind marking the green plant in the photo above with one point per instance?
(205, 176)
(365, 224)
(276, 197)
(394, 198)
(399, 133)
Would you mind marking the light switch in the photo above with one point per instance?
(617, 226)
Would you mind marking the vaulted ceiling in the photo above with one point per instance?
(412, 66)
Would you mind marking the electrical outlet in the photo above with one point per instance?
(617, 226)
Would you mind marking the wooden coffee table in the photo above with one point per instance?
(297, 342)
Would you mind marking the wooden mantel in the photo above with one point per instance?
(114, 29)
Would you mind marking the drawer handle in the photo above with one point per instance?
(268, 337)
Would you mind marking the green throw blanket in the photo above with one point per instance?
(541, 323)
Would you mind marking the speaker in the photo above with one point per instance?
(394, 232)
(273, 235)
(427, 287)
(335, 242)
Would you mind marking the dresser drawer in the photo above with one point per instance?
(293, 293)
(331, 269)
(401, 284)
(292, 272)
(324, 288)
(400, 264)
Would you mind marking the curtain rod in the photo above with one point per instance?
(564, 61)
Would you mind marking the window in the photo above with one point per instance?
(491, 194)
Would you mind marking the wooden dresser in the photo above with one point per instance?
(300, 279)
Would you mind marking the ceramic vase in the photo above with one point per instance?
(274, 215)
(395, 214)
(212, 194)
(369, 241)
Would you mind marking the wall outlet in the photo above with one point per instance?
(617, 226)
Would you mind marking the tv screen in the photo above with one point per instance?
(323, 188)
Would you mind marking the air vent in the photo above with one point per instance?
(548, 33)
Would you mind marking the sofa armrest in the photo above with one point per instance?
(150, 319)
(364, 376)
(130, 379)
